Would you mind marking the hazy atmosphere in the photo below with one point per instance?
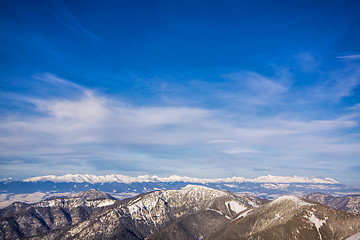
(202, 89)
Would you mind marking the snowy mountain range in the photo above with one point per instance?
(80, 178)
(193, 212)
(39, 188)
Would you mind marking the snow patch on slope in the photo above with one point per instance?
(200, 191)
(235, 206)
(106, 202)
(317, 222)
(244, 214)
(294, 199)
(354, 237)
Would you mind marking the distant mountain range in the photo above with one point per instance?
(193, 212)
(38, 188)
(80, 178)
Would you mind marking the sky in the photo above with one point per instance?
(193, 88)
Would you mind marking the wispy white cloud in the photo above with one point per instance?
(342, 83)
(307, 62)
(251, 90)
(331, 86)
(220, 141)
(240, 150)
(355, 107)
(60, 11)
(354, 56)
(55, 80)
(344, 122)
(99, 131)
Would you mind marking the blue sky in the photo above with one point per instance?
(195, 88)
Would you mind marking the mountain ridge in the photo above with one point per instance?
(290, 217)
(82, 215)
(39, 188)
(79, 178)
(349, 203)
(193, 212)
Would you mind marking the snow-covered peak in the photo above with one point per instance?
(202, 190)
(93, 195)
(294, 179)
(174, 178)
(294, 199)
(191, 187)
(6, 180)
(88, 178)
(199, 190)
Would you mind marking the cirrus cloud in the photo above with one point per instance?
(96, 131)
